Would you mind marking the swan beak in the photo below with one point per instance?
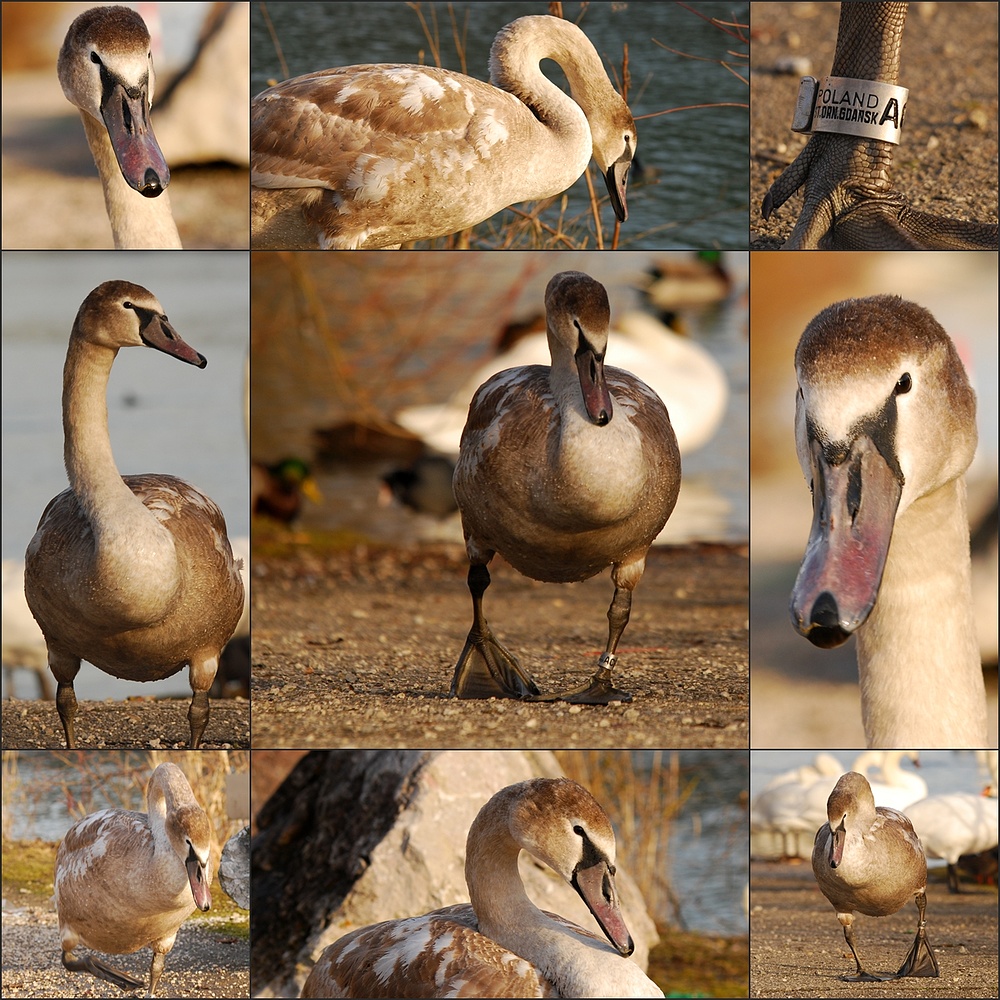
(855, 496)
(596, 886)
(596, 395)
(199, 884)
(125, 111)
(156, 331)
(837, 844)
(617, 179)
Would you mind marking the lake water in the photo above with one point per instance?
(694, 190)
(163, 416)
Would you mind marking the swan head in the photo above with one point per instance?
(614, 148)
(851, 795)
(106, 70)
(561, 823)
(884, 417)
(577, 318)
(172, 805)
(122, 314)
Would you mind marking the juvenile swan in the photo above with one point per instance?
(106, 70)
(134, 575)
(867, 858)
(377, 155)
(125, 880)
(564, 470)
(885, 427)
(500, 944)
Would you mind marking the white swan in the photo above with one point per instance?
(867, 859)
(501, 944)
(134, 575)
(127, 880)
(897, 788)
(23, 642)
(378, 155)
(681, 372)
(885, 428)
(564, 470)
(954, 824)
(106, 70)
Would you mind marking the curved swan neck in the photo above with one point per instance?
(909, 658)
(137, 223)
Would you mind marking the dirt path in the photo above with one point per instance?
(797, 946)
(358, 650)
(946, 163)
(203, 962)
(125, 725)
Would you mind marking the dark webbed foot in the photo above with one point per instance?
(920, 960)
(102, 971)
(597, 691)
(487, 669)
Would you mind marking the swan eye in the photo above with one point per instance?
(128, 305)
(95, 58)
(579, 831)
(904, 384)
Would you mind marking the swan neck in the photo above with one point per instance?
(137, 223)
(90, 463)
(919, 644)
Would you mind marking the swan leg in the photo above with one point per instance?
(99, 969)
(155, 970)
(953, 885)
(202, 674)
(599, 690)
(486, 668)
(860, 976)
(64, 668)
(920, 960)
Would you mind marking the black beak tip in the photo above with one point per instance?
(152, 186)
(826, 631)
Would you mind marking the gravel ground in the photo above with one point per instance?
(358, 650)
(797, 946)
(125, 725)
(947, 161)
(202, 963)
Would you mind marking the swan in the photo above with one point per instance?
(898, 788)
(134, 575)
(127, 880)
(681, 372)
(378, 155)
(824, 765)
(501, 944)
(885, 425)
(106, 70)
(562, 470)
(867, 858)
(954, 824)
(849, 200)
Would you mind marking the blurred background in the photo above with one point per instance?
(163, 416)
(52, 192)
(688, 186)
(802, 696)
